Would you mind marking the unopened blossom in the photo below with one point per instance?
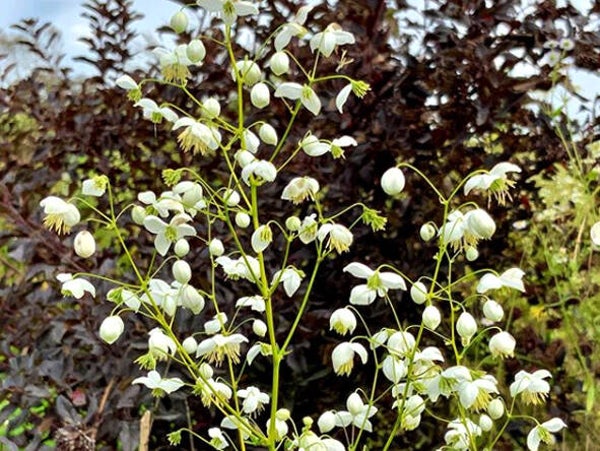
(394, 368)
(261, 238)
(339, 237)
(182, 271)
(401, 343)
(305, 93)
(279, 63)
(343, 357)
(231, 197)
(290, 277)
(248, 70)
(196, 136)
(393, 181)
(281, 426)
(250, 141)
(191, 196)
(211, 108)
(217, 439)
(466, 326)
(84, 244)
(165, 233)
(411, 415)
(60, 215)
(378, 283)
(502, 345)
(191, 299)
(493, 311)
(326, 421)
(327, 40)
(595, 234)
(259, 327)
(299, 189)
(511, 278)
(244, 157)
(216, 248)
(543, 433)
(342, 321)
(260, 95)
(219, 346)
(495, 182)
(418, 293)
(431, 317)
(532, 387)
(242, 219)
(357, 415)
(256, 303)
(190, 345)
(179, 22)
(195, 51)
(160, 345)
(243, 267)
(268, 134)
(96, 186)
(154, 381)
(427, 231)
(254, 400)
(75, 286)
(229, 10)
(156, 113)
(111, 328)
(480, 224)
(259, 171)
(495, 409)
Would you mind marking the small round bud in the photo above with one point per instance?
(493, 311)
(182, 271)
(195, 51)
(427, 231)
(466, 326)
(283, 414)
(84, 244)
(480, 223)
(249, 71)
(268, 135)
(179, 22)
(190, 345)
(138, 214)
(418, 292)
(307, 422)
(242, 219)
(182, 247)
(259, 327)
(280, 63)
(326, 422)
(431, 317)
(260, 95)
(495, 408)
(392, 181)
(485, 423)
(244, 158)
(216, 247)
(191, 299)
(206, 371)
(111, 329)
(232, 197)
(471, 253)
(293, 223)
(211, 108)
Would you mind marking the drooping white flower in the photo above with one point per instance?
(254, 399)
(96, 186)
(338, 144)
(84, 244)
(127, 83)
(191, 196)
(281, 426)
(196, 136)
(394, 368)
(495, 181)
(358, 413)
(160, 345)
(60, 215)
(174, 64)
(326, 421)
(216, 324)
(168, 233)
(531, 386)
(480, 224)
(342, 97)
(247, 268)
(290, 277)
(339, 237)
(292, 28)
(219, 346)
(378, 283)
(191, 299)
(543, 433)
(155, 113)
(313, 146)
(343, 357)
(393, 181)
(295, 91)
(476, 394)
(260, 170)
(461, 433)
(217, 439)
(211, 391)
(446, 382)
(75, 286)
(154, 381)
(111, 328)
(342, 321)
(511, 278)
(299, 189)
(308, 229)
(453, 231)
(261, 238)
(418, 292)
(229, 10)
(327, 40)
(162, 205)
(256, 303)
(502, 345)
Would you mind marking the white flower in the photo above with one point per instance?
(431, 317)
(531, 386)
(313, 147)
(393, 181)
(96, 186)
(292, 28)
(543, 433)
(191, 299)
(394, 368)
(162, 205)
(279, 63)
(343, 357)
(401, 343)
(502, 345)
(261, 238)
(494, 181)
(216, 324)
(127, 83)
(242, 219)
(326, 422)
(155, 381)
(511, 278)
(60, 215)
(191, 196)
(291, 279)
(84, 244)
(378, 283)
(231, 197)
(256, 303)
(308, 229)
(247, 268)
(299, 189)
(168, 233)
(358, 414)
(260, 171)
(595, 233)
(217, 439)
(111, 329)
(466, 326)
(461, 434)
(229, 10)
(446, 382)
(281, 427)
(476, 394)
(75, 287)
(155, 113)
(340, 237)
(190, 345)
(248, 70)
(212, 391)
(174, 64)
(304, 93)
(326, 41)
(453, 231)
(493, 311)
(480, 223)
(197, 137)
(338, 144)
(342, 97)
(219, 346)
(211, 108)
(268, 134)
(342, 321)
(254, 399)
(260, 95)
(160, 345)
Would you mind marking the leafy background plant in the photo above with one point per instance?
(56, 129)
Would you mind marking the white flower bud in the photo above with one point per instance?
(216, 247)
(392, 181)
(191, 299)
(595, 233)
(244, 158)
(206, 371)
(179, 22)
(259, 327)
(485, 423)
(495, 408)
(182, 271)
(466, 326)
(84, 244)
(480, 223)
(471, 253)
(427, 232)
(249, 71)
(502, 345)
(242, 219)
(293, 223)
(182, 247)
(212, 108)
(280, 63)
(418, 292)
(232, 197)
(111, 329)
(138, 214)
(342, 321)
(260, 95)
(283, 414)
(195, 51)
(326, 422)
(268, 135)
(190, 345)
(493, 311)
(431, 317)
